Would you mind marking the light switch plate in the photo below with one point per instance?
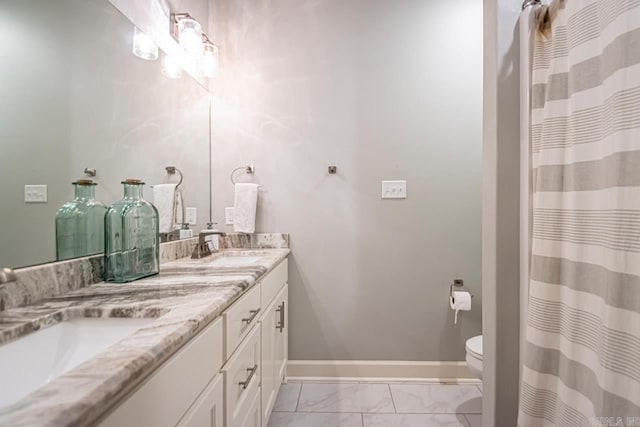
(191, 215)
(394, 189)
(35, 193)
(228, 215)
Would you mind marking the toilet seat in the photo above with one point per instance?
(474, 347)
(474, 355)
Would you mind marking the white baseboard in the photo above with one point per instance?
(388, 371)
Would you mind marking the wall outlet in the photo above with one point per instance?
(35, 193)
(394, 189)
(228, 215)
(191, 215)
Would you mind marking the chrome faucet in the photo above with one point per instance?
(202, 248)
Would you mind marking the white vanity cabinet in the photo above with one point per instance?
(228, 375)
(256, 367)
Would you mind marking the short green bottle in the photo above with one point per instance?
(80, 223)
(131, 236)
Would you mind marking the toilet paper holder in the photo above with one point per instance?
(458, 284)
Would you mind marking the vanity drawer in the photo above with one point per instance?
(273, 282)
(240, 318)
(252, 417)
(242, 379)
(167, 394)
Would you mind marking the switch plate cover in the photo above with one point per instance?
(191, 215)
(35, 193)
(228, 215)
(394, 189)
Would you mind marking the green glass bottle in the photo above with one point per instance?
(80, 223)
(131, 236)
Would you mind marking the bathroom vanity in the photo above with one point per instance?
(229, 374)
(213, 352)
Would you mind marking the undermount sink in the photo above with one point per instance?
(236, 260)
(30, 362)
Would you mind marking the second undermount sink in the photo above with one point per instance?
(30, 362)
(228, 260)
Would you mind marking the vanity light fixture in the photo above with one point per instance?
(189, 35)
(210, 60)
(171, 67)
(143, 46)
(187, 32)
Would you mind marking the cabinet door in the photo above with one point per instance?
(282, 337)
(268, 334)
(207, 411)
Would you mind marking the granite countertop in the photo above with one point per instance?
(186, 296)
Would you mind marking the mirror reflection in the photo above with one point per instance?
(79, 114)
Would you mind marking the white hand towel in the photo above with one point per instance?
(244, 213)
(167, 198)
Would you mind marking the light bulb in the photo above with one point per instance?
(210, 61)
(143, 46)
(190, 36)
(170, 67)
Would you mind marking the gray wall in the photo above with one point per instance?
(383, 90)
(500, 263)
(74, 96)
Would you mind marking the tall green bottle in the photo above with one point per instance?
(131, 236)
(80, 223)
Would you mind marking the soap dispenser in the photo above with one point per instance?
(80, 223)
(131, 236)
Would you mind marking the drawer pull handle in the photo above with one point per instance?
(246, 382)
(249, 319)
(280, 310)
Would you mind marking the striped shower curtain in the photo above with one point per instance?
(581, 365)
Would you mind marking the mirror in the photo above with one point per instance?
(74, 97)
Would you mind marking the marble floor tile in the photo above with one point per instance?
(474, 420)
(414, 420)
(287, 400)
(436, 399)
(341, 397)
(299, 419)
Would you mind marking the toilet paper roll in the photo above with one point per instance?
(460, 301)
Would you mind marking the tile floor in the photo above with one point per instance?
(323, 404)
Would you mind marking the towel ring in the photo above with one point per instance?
(171, 170)
(247, 169)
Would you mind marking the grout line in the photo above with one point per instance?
(362, 418)
(392, 400)
(479, 389)
(298, 400)
(347, 412)
(403, 413)
(382, 413)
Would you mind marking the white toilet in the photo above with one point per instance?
(474, 355)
